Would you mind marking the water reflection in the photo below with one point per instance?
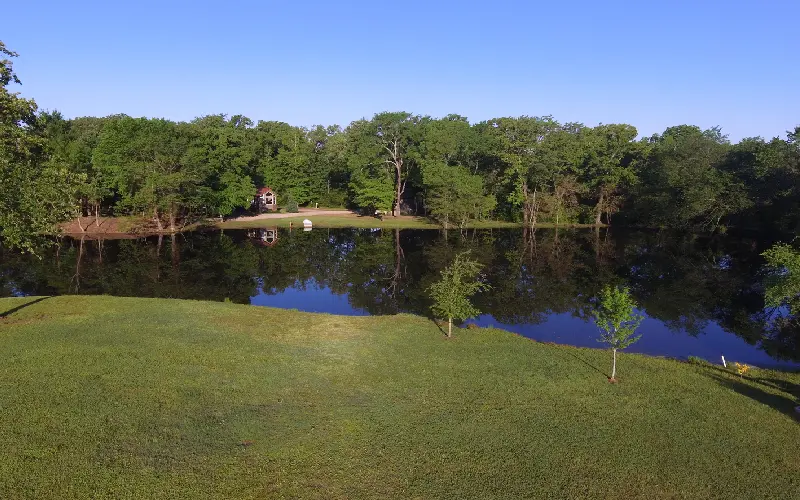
(702, 295)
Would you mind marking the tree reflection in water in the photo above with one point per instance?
(685, 281)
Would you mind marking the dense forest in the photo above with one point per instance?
(530, 169)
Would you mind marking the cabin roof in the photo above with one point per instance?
(264, 190)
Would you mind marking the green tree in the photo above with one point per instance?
(517, 145)
(615, 317)
(36, 191)
(454, 195)
(287, 160)
(451, 294)
(609, 166)
(386, 148)
(145, 160)
(71, 143)
(220, 155)
(291, 204)
(683, 182)
(783, 281)
(782, 289)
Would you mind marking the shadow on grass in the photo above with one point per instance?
(23, 306)
(784, 403)
(436, 322)
(573, 355)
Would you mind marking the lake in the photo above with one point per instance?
(701, 295)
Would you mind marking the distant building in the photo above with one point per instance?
(265, 199)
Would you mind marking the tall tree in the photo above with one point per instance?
(518, 144)
(683, 184)
(390, 141)
(219, 154)
(452, 193)
(609, 166)
(145, 161)
(36, 192)
(287, 158)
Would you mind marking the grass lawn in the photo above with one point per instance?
(347, 219)
(107, 397)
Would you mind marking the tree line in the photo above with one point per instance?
(529, 169)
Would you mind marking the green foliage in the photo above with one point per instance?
(36, 191)
(372, 189)
(615, 317)
(291, 204)
(454, 196)
(783, 280)
(527, 168)
(451, 294)
(684, 184)
(219, 154)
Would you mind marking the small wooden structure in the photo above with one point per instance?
(265, 199)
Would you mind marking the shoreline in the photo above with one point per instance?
(465, 327)
(127, 227)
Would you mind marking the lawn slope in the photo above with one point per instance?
(149, 398)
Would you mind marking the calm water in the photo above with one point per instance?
(702, 296)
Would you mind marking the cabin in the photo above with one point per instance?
(265, 237)
(265, 199)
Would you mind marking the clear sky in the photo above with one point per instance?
(651, 64)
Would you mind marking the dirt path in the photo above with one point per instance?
(304, 212)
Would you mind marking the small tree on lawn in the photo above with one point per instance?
(615, 316)
(291, 205)
(452, 292)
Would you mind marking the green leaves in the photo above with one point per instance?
(35, 192)
(615, 316)
(783, 279)
(454, 196)
(459, 281)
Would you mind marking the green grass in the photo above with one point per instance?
(348, 220)
(107, 397)
(333, 221)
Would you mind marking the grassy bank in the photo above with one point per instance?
(350, 220)
(154, 398)
(112, 227)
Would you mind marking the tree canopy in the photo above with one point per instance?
(529, 169)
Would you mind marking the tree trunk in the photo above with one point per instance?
(449, 327)
(398, 192)
(614, 366)
(599, 209)
(97, 214)
(80, 224)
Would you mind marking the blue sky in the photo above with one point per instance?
(650, 64)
